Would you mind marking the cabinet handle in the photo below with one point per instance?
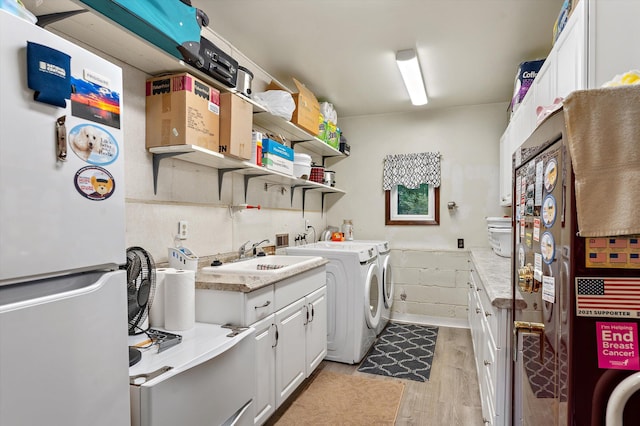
(313, 311)
(487, 314)
(477, 310)
(306, 309)
(487, 362)
(478, 289)
(264, 305)
(277, 336)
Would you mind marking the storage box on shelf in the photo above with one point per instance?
(277, 157)
(182, 109)
(235, 126)
(307, 109)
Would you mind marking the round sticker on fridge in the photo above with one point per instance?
(550, 175)
(547, 247)
(549, 211)
(94, 183)
(93, 144)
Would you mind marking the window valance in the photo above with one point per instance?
(411, 170)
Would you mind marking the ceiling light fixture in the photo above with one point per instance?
(410, 69)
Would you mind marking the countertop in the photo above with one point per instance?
(249, 282)
(494, 271)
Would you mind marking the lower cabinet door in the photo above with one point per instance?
(290, 348)
(265, 368)
(316, 329)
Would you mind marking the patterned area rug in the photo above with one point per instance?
(404, 351)
(541, 375)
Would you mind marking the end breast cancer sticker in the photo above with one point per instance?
(618, 345)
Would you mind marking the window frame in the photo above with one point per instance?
(434, 193)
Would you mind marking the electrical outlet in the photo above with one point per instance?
(183, 229)
(460, 242)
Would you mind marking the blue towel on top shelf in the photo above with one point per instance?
(49, 74)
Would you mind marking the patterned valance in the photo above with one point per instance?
(411, 170)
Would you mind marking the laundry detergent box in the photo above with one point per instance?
(182, 110)
(527, 72)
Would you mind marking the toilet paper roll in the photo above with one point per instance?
(179, 300)
(156, 312)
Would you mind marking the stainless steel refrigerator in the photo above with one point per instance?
(63, 316)
(577, 339)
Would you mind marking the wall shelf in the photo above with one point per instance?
(198, 155)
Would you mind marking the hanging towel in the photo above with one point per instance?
(48, 74)
(603, 136)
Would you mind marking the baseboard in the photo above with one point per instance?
(427, 320)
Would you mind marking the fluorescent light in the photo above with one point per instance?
(410, 69)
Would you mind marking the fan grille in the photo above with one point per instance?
(141, 285)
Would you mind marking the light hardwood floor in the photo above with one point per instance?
(450, 397)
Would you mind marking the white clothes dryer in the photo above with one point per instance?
(384, 265)
(353, 297)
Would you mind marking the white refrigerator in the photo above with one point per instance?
(63, 315)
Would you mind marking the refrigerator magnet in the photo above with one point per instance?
(94, 183)
(549, 211)
(551, 175)
(93, 144)
(547, 247)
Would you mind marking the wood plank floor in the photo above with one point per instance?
(450, 397)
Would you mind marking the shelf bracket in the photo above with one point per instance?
(247, 178)
(293, 187)
(221, 173)
(304, 193)
(156, 166)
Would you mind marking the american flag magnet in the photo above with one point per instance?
(617, 297)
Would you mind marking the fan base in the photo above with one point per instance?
(134, 356)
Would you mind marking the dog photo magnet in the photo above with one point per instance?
(94, 144)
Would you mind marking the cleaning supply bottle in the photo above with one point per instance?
(347, 229)
(259, 153)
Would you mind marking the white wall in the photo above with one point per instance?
(427, 263)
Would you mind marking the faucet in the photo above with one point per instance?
(242, 251)
(255, 246)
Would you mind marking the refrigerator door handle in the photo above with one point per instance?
(61, 132)
(529, 328)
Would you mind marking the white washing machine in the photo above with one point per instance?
(354, 299)
(386, 278)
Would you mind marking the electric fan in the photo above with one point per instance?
(141, 285)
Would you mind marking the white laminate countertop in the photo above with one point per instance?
(247, 282)
(495, 273)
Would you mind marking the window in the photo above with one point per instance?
(405, 206)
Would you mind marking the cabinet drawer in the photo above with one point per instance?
(259, 304)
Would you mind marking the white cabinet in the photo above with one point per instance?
(290, 322)
(490, 345)
(596, 44)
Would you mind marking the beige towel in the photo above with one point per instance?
(603, 136)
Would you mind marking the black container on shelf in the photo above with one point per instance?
(217, 63)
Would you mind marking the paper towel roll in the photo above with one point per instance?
(156, 312)
(179, 300)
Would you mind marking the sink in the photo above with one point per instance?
(264, 265)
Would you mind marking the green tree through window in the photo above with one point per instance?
(413, 201)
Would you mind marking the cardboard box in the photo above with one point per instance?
(276, 163)
(307, 109)
(270, 146)
(182, 110)
(236, 117)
